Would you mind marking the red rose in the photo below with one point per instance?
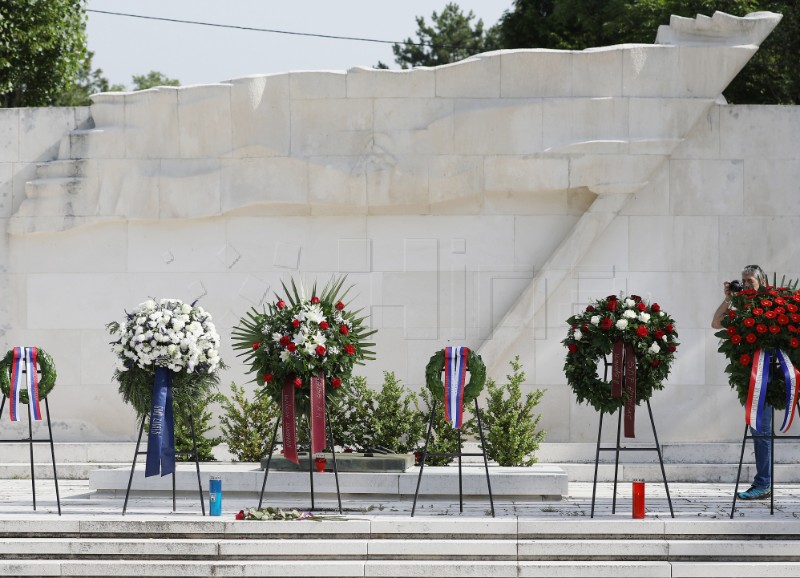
(758, 311)
(336, 383)
(315, 299)
(590, 309)
(668, 328)
(585, 327)
(611, 298)
(744, 359)
(349, 349)
(291, 347)
(770, 315)
(641, 306)
(671, 348)
(284, 340)
(295, 323)
(783, 319)
(320, 350)
(658, 334)
(636, 298)
(761, 328)
(655, 308)
(731, 330)
(794, 342)
(280, 304)
(240, 515)
(572, 348)
(268, 377)
(606, 323)
(339, 305)
(298, 383)
(655, 362)
(343, 329)
(774, 329)
(612, 305)
(324, 325)
(731, 313)
(641, 331)
(749, 322)
(256, 345)
(736, 339)
(750, 338)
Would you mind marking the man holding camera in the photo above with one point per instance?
(753, 277)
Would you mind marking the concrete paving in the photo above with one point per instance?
(691, 501)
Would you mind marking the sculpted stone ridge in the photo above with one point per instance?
(491, 134)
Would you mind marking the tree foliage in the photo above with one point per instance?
(771, 77)
(42, 50)
(450, 37)
(152, 79)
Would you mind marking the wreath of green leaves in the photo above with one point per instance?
(472, 389)
(590, 341)
(46, 382)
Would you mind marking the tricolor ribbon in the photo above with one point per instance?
(623, 368)
(757, 392)
(316, 419)
(161, 432)
(760, 376)
(455, 375)
(25, 360)
(792, 378)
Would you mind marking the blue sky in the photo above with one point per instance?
(200, 55)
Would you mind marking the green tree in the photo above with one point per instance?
(247, 426)
(88, 82)
(153, 79)
(199, 418)
(449, 38)
(771, 77)
(511, 434)
(399, 425)
(42, 50)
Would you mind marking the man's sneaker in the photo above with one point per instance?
(755, 493)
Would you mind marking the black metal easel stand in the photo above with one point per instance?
(193, 453)
(617, 449)
(459, 455)
(772, 437)
(310, 463)
(32, 441)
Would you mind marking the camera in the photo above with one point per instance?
(735, 286)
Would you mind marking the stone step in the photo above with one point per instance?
(66, 452)
(96, 143)
(539, 482)
(674, 453)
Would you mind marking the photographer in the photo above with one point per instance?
(753, 277)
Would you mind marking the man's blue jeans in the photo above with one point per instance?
(762, 446)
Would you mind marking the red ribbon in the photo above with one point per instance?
(623, 366)
(318, 413)
(288, 427)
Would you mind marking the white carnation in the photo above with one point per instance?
(654, 348)
(629, 313)
(644, 317)
(630, 303)
(622, 324)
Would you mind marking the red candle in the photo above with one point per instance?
(638, 499)
(320, 463)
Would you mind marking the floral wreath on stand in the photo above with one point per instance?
(300, 335)
(166, 333)
(46, 382)
(472, 389)
(767, 320)
(591, 338)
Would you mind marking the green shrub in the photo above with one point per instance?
(398, 424)
(444, 438)
(202, 425)
(247, 426)
(509, 423)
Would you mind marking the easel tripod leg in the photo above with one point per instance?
(660, 458)
(133, 466)
(485, 459)
(333, 458)
(596, 463)
(424, 456)
(269, 460)
(739, 473)
(52, 453)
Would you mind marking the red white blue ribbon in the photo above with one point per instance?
(25, 360)
(455, 376)
(757, 392)
(792, 378)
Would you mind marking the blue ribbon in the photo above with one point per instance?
(161, 435)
